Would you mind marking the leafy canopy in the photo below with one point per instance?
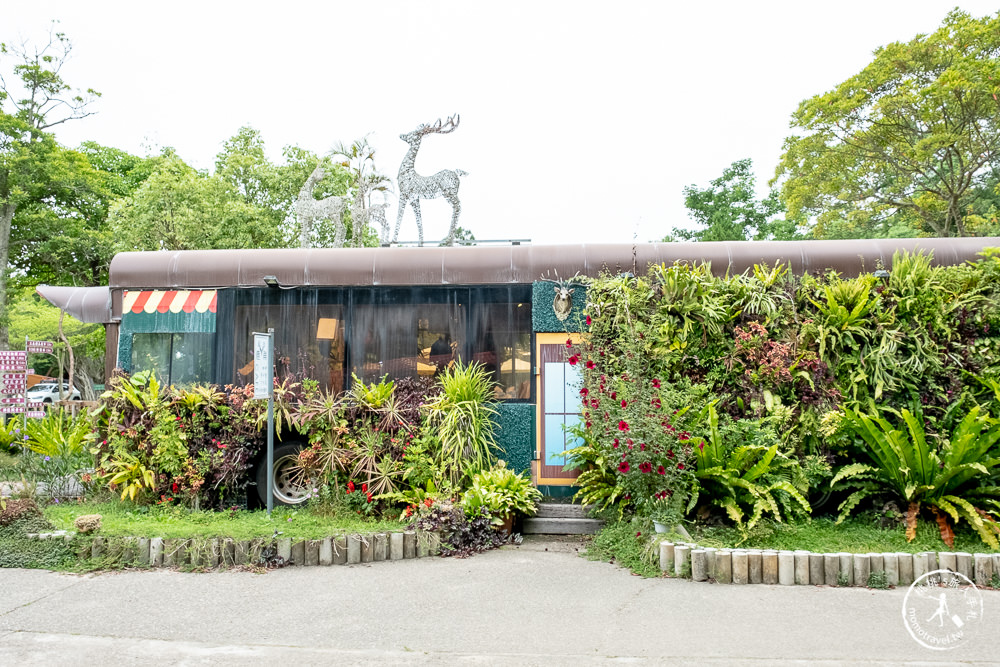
(905, 147)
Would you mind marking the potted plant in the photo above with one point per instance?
(666, 509)
(502, 493)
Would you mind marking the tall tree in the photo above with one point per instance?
(907, 142)
(33, 99)
(728, 210)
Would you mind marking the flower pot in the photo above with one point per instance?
(508, 523)
(660, 527)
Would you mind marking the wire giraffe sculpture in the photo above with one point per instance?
(413, 187)
(308, 210)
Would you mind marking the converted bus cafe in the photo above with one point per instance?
(371, 312)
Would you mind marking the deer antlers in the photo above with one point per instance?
(437, 128)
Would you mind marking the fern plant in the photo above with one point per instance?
(747, 481)
(955, 478)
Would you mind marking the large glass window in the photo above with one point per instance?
(328, 334)
(308, 341)
(175, 358)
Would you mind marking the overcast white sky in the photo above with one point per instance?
(581, 121)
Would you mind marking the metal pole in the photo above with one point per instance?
(270, 422)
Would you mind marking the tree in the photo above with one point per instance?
(179, 208)
(906, 144)
(728, 210)
(365, 180)
(32, 165)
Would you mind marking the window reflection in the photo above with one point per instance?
(178, 359)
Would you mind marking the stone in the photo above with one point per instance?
(862, 569)
(755, 566)
(817, 573)
(933, 563)
(905, 562)
(382, 546)
(876, 563)
(396, 546)
(682, 566)
(846, 568)
(409, 544)
(340, 550)
(97, 547)
(831, 569)
(156, 551)
(699, 565)
(214, 552)
(87, 523)
(919, 566)
(353, 549)
(326, 551)
(890, 562)
(312, 552)
(710, 553)
(195, 552)
(786, 568)
(244, 553)
(666, 556)
(142, 556)
(983, 566)
(169, 552)
(130, 551)
(285, 549)
(964, 565)
(802, 568)
(947, 561)
(741, 567)
(228, 552)
(299, 553)
(770, 567)
(724, 567)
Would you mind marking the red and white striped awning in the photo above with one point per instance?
(169, 301)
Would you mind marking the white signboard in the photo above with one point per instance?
(262, 381)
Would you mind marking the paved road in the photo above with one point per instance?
(539, 604)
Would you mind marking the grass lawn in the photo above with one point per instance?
(121, 519)
(854, 535)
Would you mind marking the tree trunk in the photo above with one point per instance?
(6, 218)
(72, 362)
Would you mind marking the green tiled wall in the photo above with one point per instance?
(544, 320)
(516, 434)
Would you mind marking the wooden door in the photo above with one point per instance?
(558, 408)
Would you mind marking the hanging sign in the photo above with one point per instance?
(39, 346)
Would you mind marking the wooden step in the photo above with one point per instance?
(560, 526)
(562, 510)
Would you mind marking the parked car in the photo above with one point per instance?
(48, 392)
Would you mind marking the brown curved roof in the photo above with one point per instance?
(483, 265)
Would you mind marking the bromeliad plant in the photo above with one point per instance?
(955, 476)
(500, 492)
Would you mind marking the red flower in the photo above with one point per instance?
(624, 403)
(588, 320)
(174, 487)
(622, 425)
(590, 363)
(646, 466)
(680, 466)
(656, 383)
(368, 496)
(642, 447)
(660, 470)
(350, 487)
(623, 466)
(670, 453)
(584, 391)
(573, 359)
(428, 502)
(569, 343)
(639, 534)
(364, 488)
(656, 403)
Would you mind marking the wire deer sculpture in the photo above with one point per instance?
(308, 210)
(413, 187)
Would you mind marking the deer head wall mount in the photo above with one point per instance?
(562, 304)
